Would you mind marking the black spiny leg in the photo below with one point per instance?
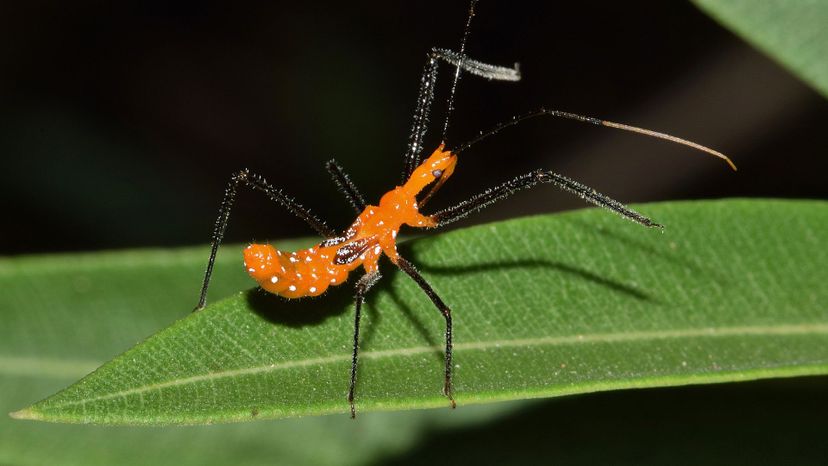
(500, 192)
(256, 183)
(363, 285)
(425, 97)
(412, 272)
(344, 183)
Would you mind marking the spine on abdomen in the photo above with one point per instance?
(308, 272)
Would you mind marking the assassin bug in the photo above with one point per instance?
(311, 271)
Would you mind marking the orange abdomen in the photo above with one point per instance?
(308, 272)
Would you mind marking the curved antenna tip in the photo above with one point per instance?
(671, 138)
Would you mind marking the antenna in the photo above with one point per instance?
(450, 107)
(595, 121)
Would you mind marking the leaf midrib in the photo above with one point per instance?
(618, 337)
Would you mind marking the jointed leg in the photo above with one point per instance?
(492, 195)
(343, 181)
(425, 96)
(419, 126)
(484, 70)
(363, 285)
(256, 183)
(412, 272)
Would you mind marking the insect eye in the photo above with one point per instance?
(437, 173)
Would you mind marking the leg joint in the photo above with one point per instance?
(241, 175)
(543, 176)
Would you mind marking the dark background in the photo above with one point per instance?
(121, 123)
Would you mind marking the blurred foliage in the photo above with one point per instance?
(793, 32)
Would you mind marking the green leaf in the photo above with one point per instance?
(64, 315)
(793, 32)
(553, 305)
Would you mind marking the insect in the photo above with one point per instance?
(309, 272)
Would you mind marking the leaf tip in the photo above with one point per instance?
(27, 414)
